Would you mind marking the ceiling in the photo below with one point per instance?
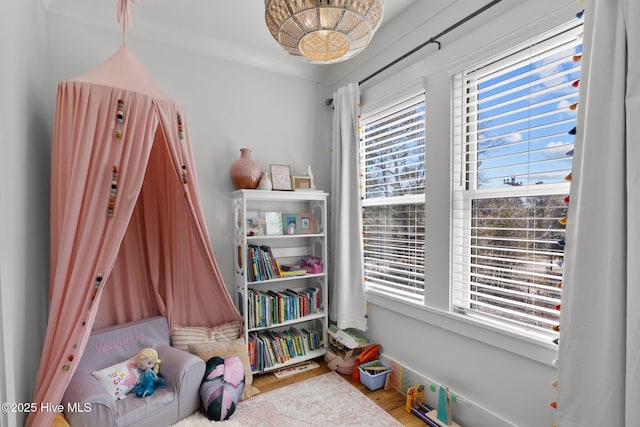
(232, 29)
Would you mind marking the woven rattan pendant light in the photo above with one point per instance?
(323, 31)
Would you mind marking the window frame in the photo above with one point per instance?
(465, 189)
(373, 110)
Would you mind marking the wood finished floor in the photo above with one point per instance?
(392, 401)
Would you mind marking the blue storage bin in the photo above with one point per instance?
(374, 381)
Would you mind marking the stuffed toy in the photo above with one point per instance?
(148, 363)
(222, 387)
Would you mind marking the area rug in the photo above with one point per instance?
(325, 400)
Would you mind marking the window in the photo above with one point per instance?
(392, 170)
(514, 119)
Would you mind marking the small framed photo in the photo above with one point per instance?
(301, 183)
(273, 223)
(307, 223)
(290, 223)
(281, 177)
(254, 224)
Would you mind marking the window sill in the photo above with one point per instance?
(470, 327)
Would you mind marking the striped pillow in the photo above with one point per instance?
(226, 331)
(182, 336)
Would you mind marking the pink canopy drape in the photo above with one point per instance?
(128, 236)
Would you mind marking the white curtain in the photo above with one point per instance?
(599, 359)
(348, 302)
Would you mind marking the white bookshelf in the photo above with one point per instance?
(286, 249)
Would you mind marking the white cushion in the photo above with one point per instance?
(118, 379)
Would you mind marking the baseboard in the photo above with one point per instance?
(465, 412)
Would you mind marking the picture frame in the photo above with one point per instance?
(281, 177)
(290, 223)
(307, 223)
(302, 183)
(273, 223)
(254, 224)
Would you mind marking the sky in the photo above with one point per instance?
(524, 115)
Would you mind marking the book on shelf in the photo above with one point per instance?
(252, 351)
(293, 273)
(272, 307)
(261, 263)
(287, 270)
(271, 347)
(260, 354)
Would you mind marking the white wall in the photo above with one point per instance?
(228, 106)
(500, 372)
(24, 197)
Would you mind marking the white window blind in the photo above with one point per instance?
(513, 148)
(392, 170)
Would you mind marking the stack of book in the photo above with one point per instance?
(292, 270)
(269, 348)
(267, 308)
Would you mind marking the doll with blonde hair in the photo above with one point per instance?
(148, 363)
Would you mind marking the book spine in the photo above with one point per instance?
(273, 263)
(252, 351)
(268, 352)
(250, 312)
(266, 266)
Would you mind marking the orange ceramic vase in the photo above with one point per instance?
(244, 172)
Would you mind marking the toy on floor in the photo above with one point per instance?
(415, 397)
(148, 362)
(417, 406)
(222, 387)
(441, 416)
